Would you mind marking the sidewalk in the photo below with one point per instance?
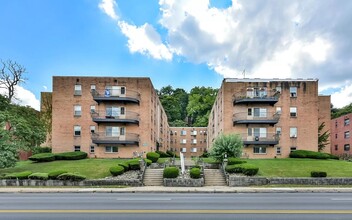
(161, 189)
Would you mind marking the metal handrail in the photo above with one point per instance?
(104, 115)
(260, 137)
(115, 93)
(267, 95)
(245, 116)
(125, 137)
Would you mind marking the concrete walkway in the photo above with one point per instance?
(161, 189)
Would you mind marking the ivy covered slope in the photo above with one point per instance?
(24, 131)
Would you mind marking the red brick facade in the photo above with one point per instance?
(340, 136)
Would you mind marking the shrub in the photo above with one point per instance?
(21, 175)
(134, 164)
(236, 168)
(196, 166)
(71, 177)
(76, 155)
(170, 172)
(38, 176)
(312, 155)
(153, 156)
(205, 154)
(171, 153)
(235, 160)
(54, 174)
(195, 173)
(162, 154)
(230, 145)
(149, 162)
(249, 169)
(40, 150)
(117, 170)
(125, 165)
(44, 157)
(318, 174)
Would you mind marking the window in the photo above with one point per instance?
(77, 148)
(257, 132)
(92, 129)
(347, 134)
(114, 131)
(293, 149)
(77, 130)
(183, 132)
(293, 91)
(194, 141)
(278, 89)
(335, 136)
(336, 147)
(346, 147)
(92, 109)
(259, 112)
(112, 112)
(111, 149)
(114, 91)
(347, 121)
(250, 112)
(92, 149)
(259, 150)
(336, 123)
(293, 132)
(278, 110)
(78, 90)
(92, 87)
(183, 150)
(278, 130)
(194, 133)
(194, 150)
(278, 150)
(183, 141)
(293, 111)
(77, 110)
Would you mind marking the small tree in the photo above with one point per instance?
(230, 144)
(323, 137)
(8, 148)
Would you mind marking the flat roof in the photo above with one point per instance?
(269, 80)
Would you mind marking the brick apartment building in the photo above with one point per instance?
(107, 117)
(340, 135)
(191, 141)
(273, 116)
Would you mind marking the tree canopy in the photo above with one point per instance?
(337, 112)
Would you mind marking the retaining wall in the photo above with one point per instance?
(184, 182)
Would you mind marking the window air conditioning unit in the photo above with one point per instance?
(256, 138)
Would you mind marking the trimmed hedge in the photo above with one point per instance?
(149, 162)
(312, 155)
(21, 175)
(76, 155)
(318, 174)
(235, 160)
(54, 174)
(245, 168)
(71, 177)
(40, 150)
(171, 172)
(117, 170)
(171, 153)
(162, 154)
(195, 173)
(125, 165)
(43, 157)
(134, 164)
(236, 168)
(38, 176)
(153, 156)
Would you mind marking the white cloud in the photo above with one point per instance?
(108, 7)
(24, 97)
(343, 97)
(145, 40)
(45, 88)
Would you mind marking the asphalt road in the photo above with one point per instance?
(176, 206)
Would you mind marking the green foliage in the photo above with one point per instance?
(149, 162)
(43, 157)
(38, 176)
(236, 168)
(205, 154)
(335, 112)
(117, 170)
(195, 173)
(171, 153)
(40, 150)
(76, 155)
(134, 164)
(162, 154)
(234, 160)
(312, 155)
(171, 172)
(21, 175)
(153, 156)
(245, 168)
(318, 174)
(8, 148)
(125, 165)
(230, 144)
(54, 174)
(323, 137)
(71, 177)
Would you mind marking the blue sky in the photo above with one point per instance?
(183, 43)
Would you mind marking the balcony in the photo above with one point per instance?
(260, 139)
(127, 117)
(127, 139)
(113, 95)
(267, 97)
(266, 118)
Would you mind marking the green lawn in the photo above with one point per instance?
(292, 167)
(91, 168)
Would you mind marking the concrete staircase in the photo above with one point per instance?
(153, 177)
(214, 177)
